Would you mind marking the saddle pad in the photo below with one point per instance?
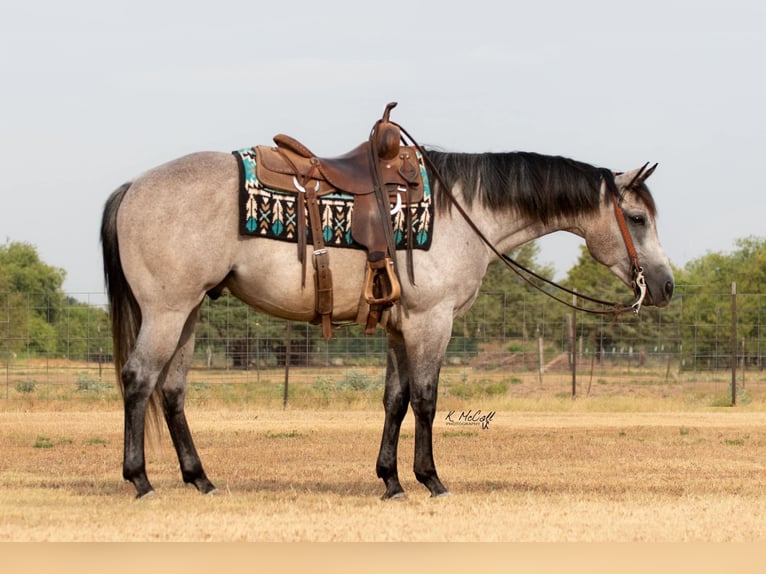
(273, 214)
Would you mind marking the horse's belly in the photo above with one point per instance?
(269, 278)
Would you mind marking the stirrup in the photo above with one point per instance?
(388, 285)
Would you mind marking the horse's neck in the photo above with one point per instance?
(507, 230)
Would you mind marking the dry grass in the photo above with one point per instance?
(308, 475)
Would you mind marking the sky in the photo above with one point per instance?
(92, 93)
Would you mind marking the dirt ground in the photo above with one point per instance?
(300, 475)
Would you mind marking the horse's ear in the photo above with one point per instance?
(645, 175)
(634, 177)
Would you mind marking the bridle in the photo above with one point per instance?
(615, 309)
(639, 281)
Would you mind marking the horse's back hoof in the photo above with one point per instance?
(145, 495)
(213, 492)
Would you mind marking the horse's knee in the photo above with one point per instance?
(424, 404)
(396, 403)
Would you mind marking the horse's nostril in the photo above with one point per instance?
(669, 289)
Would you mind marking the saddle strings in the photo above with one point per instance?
(616, 310)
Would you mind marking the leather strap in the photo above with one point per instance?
(301, 207)
(308, 201)
(620, 215)
(322, 273)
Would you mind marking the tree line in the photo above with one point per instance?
(38, 318)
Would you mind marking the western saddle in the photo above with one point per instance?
(377, 173)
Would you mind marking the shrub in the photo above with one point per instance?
(496, 388)
(26, 387)
(43, 442)
(86, 383)
(357, 381)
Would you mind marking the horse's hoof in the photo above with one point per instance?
(200, 482)
(213, 492)
(145, 495)
(444, 494)
(397, 496)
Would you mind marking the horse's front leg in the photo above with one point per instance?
(396, 400)
(425, 353)
(424, 407)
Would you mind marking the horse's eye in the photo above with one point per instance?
(638, 219)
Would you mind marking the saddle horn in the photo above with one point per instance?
(387, 135)
(387, 112)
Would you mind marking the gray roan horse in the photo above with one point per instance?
(170, 237)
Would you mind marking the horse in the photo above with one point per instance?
(170, 237)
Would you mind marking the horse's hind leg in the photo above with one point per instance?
(173, 396)
(157, 342)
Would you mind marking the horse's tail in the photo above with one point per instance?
(124, 311)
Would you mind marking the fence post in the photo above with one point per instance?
(288, 350)
(733, 343)
(743, 362)
(573, 343)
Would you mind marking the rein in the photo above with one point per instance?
(639, 281)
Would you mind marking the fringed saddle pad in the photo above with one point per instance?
(273, 214)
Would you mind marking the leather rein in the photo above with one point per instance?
(616, 309)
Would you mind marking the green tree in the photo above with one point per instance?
(706, 303)
(31, 297)
(14, 323)
(508, 307)
(22, 271)
(651, 331)
(83, 332)
(36, 317)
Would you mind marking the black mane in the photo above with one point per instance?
(536, 186)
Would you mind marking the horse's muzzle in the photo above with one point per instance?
(659, 293)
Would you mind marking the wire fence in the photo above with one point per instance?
(53, 347)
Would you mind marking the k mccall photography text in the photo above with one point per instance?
(470, 417)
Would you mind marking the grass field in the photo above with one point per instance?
(629, 462)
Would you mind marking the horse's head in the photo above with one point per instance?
(624, 236)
